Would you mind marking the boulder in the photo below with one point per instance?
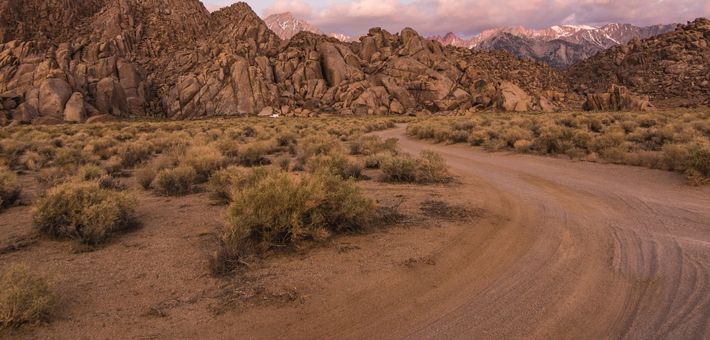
(53, 95)
(266, 112)
(75, 110)
(510, 97)
(110, 97)
(617, 98)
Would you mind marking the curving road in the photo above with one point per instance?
(583, 251)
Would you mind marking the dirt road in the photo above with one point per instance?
(588, 251)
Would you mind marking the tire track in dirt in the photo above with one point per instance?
(616, 251)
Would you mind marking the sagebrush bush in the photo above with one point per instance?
(176, 181)
(279, 209)
(145, 176)
(90, 172)
(335, 163)
(657, 140)
(432, 168)
(9, 187)
(254, 154)
(24, 297)
(428, 168)
(204, 159)
(83, 211)
(399, 168)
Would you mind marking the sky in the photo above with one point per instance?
(469, 17)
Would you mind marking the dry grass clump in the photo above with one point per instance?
(279, 210)
(428, 168)
(9, 187)
(134, 153)
(669, 140)
(176, 181)
(24, 298)
(334, 163)
(204, 159)
(254, 154)
(370, 145)
(84, 211)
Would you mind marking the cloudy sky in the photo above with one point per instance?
(468, 17)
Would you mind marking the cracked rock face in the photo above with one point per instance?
(74, 60)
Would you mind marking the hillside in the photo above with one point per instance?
(672, 68)
(174, 59)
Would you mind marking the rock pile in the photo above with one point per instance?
(174, 59)
(673, 69)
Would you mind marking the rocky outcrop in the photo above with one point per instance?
(617, 98)
(173, 59)
(673, 69)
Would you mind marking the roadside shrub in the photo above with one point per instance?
(83, 211)
(9, 188)
(279, 210)
(399, 169)
(429, 167)
(32, 161)
(177, 181)
(24, 298)
(432, 168)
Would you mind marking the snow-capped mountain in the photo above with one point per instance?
(559, 46)
(285, 25)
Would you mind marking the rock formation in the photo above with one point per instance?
(673, 69)
(617, 98)
(173, 59)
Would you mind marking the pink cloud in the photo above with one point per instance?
(472, 16)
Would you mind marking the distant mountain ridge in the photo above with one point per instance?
(558, 46)
(286, 25)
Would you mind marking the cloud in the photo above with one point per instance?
(469, 17)
(299, 8)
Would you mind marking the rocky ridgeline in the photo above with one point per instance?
(174, 59)
(673, 69)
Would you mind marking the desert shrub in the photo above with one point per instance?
(9, 187)
(32, 161)
(254, 154)
(522, 145)
(145, 176)
(221, 183)
(368, 145)
(432, 168)
(177, 181)
(399, 168)
(429, 167)
(134, 153)
(70, 156)
(83, 211)
(279, 210)
(24, 297)
(90, 172)
(336, 164)
(697, 165)
(204, 159)
(374, 161)
(284, 163)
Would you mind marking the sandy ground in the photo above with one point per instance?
(561, 250)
